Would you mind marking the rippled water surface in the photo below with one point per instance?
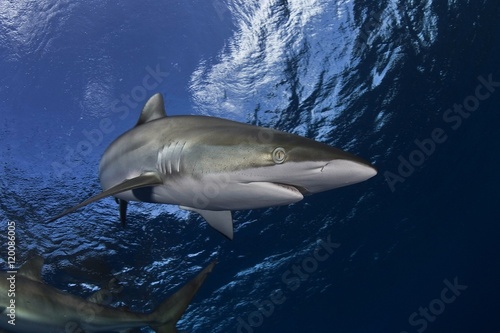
(374, 78)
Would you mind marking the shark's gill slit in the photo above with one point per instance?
(178, 157)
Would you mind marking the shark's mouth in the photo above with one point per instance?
(294, 188)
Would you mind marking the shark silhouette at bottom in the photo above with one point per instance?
(28, 305)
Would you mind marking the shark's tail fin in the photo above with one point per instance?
(165, 317)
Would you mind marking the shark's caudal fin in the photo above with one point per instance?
(144, 180)
(165, 317)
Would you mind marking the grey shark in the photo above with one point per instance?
(38, 307)
(213, 166)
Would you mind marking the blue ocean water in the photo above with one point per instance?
(414, 87)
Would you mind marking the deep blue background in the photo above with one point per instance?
(368, 77)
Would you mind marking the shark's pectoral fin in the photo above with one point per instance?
(32, 268)
(144, 180)
(222, 220)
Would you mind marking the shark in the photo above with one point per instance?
(29, 305)
(213, 166)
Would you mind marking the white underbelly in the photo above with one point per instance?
(218, 193)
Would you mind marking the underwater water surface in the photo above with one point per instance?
(413, 87)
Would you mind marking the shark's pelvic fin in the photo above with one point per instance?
(171, 310)
(220, 220)
(154, 109)
(32, 268)
(144, 180)
(123, 212)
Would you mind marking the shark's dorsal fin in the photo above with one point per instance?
(144, 180)
(154, 109)
(220, 220)
(32, 268)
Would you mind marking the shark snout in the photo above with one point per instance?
(341, 172)
(313, 177)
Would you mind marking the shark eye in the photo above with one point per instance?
(279, 155)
